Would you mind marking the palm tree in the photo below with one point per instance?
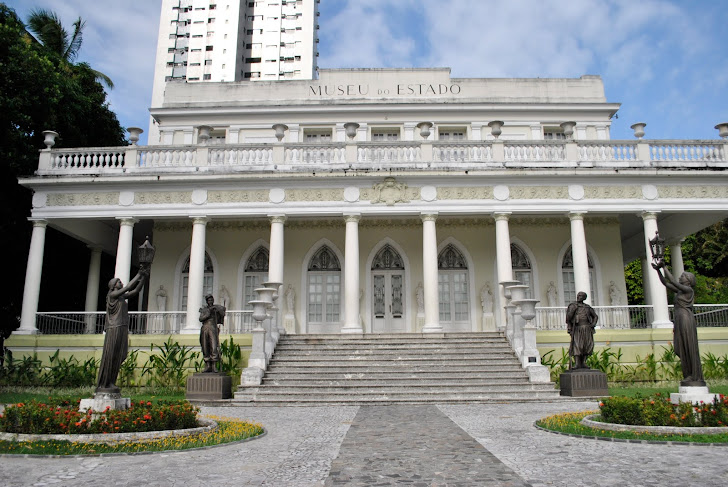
(49, 31)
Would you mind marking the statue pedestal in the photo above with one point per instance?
(694, 395)
(583, 383)
(488, 322)
(209, 385)
(102, 400)
(289, 323)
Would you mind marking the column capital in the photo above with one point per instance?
(649, 215)
(127, 220)
(199, 220)
(676, 242)
(576, 215)
(430, 216)
(352, 217)
(502, 215)
(277, 218)
(38, 222)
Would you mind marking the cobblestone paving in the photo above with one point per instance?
(543, 458)
(303, 443)
(417, 446)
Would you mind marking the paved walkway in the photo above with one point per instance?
(311, 446)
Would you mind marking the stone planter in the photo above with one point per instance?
(658, 430)
(110, 438)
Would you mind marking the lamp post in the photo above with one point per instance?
(657, 248)
(145, 254)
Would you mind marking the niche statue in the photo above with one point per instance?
(116, 340)
(211, 316)
(580, 322)
(685, 331)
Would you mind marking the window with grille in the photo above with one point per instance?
(567, 274)
(324, 288)
(254, 275)
(206, 280)
(453, 286)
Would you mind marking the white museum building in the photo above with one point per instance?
(383, 200)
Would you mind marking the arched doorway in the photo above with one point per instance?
(388, 291)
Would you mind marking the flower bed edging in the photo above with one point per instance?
(110, 438)
(661, 430)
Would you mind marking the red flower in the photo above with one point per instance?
(149, 403)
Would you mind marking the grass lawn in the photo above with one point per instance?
(665, 388)
(569, 423)
(11, 394)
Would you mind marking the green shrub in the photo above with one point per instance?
(170, 367)
(622, 410)
(51, 418)
(657, 410)
(70, 372)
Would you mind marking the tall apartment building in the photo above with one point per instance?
(234, 40)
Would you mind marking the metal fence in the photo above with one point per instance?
(140, 322)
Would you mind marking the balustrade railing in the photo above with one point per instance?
(375, 152)
(400, 154)
(462, 151)
(241, 155)
(534, 151)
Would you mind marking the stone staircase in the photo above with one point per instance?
(394, 369)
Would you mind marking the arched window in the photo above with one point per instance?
(206, 280)
(324, 287)
(254, 275)
(453, 286)
(567, 272)
(521, 265)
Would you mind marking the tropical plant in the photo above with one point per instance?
(69, 372)
(169, 368)
(127, 373)
(48, 30)
(230, 358)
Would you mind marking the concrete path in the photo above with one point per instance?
(309, 446)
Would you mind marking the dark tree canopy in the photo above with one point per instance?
(39, 91)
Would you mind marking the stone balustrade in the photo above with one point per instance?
(473, 155)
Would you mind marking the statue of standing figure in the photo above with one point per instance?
(116, 339)
(685, 330)
(580, 322)
(211, 316)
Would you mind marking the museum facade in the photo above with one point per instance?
(382, 200)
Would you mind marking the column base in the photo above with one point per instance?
(538, 374)
(432, 328)
(251, 376)
(352, 329)
(21, 331)
(189, 331)
(662, 324)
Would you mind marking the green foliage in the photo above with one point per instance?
(169, 368)
(24, 372)
(231, 358)
(70, 372)
(605, 360)
(127, 372)
(39, 91)
(657, 410)
(715, 367)
(557, 366)
(633, 281)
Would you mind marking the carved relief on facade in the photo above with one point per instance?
(612, 192)
(467, 193)
(390, 192)
(163, 198)
(232, 196)
(82, 199)
(712, 191)
(315, 194)
(539, 192)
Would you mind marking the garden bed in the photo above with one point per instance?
(591, 422)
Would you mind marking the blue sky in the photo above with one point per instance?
(665, 61)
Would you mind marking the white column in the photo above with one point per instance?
(678, 267)
(658, 293)
(196, 276)
(647, 271)
(504, 266)
(275, 268)
(352, 324)
(32, 279)
(123, 249)
(92, 282)
(275, 257)
(429, 271)
(579, 255)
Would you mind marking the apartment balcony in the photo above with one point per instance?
(396, 155)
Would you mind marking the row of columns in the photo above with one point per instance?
(655, 292)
